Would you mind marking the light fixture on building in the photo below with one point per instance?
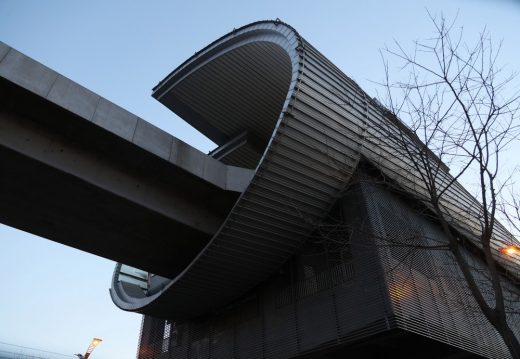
(510, 250)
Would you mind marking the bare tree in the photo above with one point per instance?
(461, 113)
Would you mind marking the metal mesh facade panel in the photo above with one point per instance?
(297, 311)
(376, 288)
(428, 292)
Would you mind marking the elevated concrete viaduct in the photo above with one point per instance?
(81, 171)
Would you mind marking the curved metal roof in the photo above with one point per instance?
(309, 124)
(248, 80)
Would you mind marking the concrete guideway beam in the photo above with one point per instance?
(35, 142)
(29, 74)
(84, 172)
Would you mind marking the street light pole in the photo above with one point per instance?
(93, 344)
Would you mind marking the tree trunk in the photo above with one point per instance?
(510, 339)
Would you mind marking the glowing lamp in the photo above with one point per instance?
(510, 250)
(93, 344)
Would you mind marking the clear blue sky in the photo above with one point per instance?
(56, 298)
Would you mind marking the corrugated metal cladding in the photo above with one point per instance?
(250, 81)
(311, 125)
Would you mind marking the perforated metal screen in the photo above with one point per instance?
(427, 289)
(316, 303)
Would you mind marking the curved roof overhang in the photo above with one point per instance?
(243, 82)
